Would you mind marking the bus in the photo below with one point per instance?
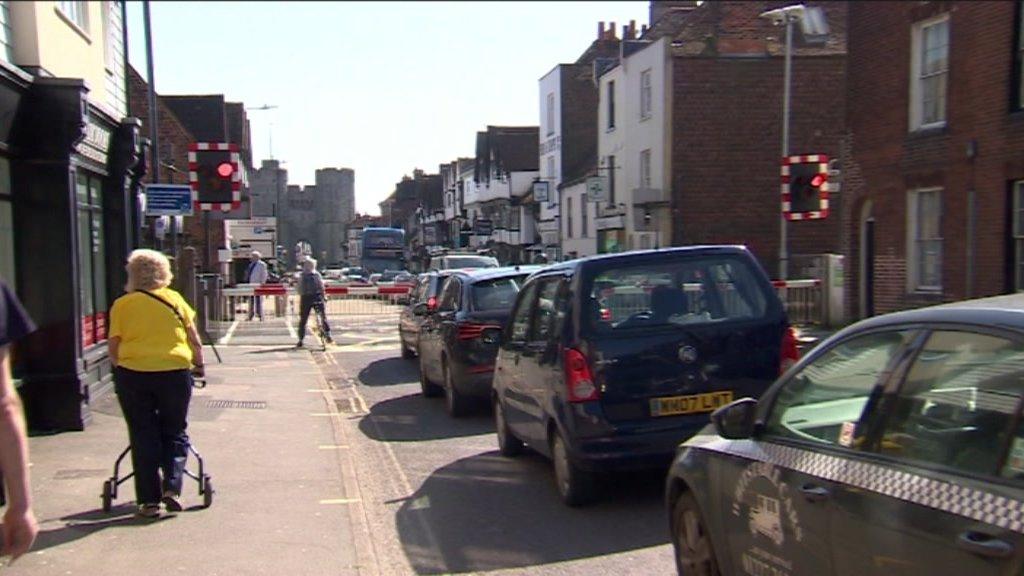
(382, 249)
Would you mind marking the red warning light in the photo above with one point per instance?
(817, 181)
(225, 170)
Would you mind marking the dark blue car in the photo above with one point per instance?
(894, 447)
(612, 361)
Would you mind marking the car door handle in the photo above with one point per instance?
(814, 493)
(984, 545)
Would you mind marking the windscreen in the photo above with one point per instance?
(675, 293)
(496, 294)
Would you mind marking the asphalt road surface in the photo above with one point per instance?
(434, 496)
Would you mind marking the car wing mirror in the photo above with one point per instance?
(735, 421)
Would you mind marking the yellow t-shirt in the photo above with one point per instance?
(152, 337)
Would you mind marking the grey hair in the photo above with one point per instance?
(147, 270)
(309, 263)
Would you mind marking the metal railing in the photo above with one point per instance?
(802, 299)
(279, 300)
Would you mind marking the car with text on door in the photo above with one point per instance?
(458, 340)
(609, 362)
(894, 447)
(426, 290)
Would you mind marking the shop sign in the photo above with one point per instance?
(96, 143)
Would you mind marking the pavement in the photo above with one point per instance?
(265, 425)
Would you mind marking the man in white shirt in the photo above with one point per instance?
(256, 274)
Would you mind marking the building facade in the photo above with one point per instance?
(505, 171)
(70, 169)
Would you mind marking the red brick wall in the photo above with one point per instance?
(890, 160)
(726, 149)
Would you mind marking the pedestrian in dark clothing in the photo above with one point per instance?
(153, 343)
(19, 526)
(311, 295)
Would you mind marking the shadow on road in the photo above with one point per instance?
(390, 371)
(415, 418)
(488, 512)
(84, 524)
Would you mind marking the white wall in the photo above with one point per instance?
(550, 135)
(583, 245)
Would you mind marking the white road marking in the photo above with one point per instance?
(341, 501)
(333, 447)
(231, 332)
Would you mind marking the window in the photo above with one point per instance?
(76, 11)
(549, 311)
(551, 114)
(450, 296)
(929, 70)
(645, 169)
(92, 271)
(824, 401)
(611, 105)
(7, 268)
(5, 31)
(611, 180)
(1018, 235)
(583, 216)
(645, 94)
(568, 214)
(497, 294)
(925, 258)
(520, 324)
(958, 404)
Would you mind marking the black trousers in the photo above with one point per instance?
(155, 407)
(306, 304)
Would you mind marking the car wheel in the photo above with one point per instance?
(428, 388)
(575, 486)
(690, 539)
(457, 403)
(508, 444)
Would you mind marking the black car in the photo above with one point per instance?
(894, 447)
(426, 292)
(458, 341)
(612, 361)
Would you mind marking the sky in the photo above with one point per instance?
(378, 87)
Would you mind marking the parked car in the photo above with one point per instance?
(426, 292)
(404, 277)
(611, 361)
(453, 260)
(375, 278)
(458, 340)
(895, 446)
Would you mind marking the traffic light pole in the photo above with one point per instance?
(783, 251)
(154, 132)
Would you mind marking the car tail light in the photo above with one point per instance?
(790, 353)
(606, 315)
(431, 303)
(578, 379)
(473, 330)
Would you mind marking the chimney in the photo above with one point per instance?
(611, 31)
(643, 29)
(600, 30)
(625, 32)
(632, 29)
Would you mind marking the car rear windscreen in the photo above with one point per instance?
(496, 294)
(683, 291)
(469, 262)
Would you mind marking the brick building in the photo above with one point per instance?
(934, 161)
(726, 101)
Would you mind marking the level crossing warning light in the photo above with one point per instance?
(214, 175)
(805, 187)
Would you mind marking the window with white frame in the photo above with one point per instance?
(924, 262)
(551, 114)
(1018, 235)
(645, 168)
(568, 220)
(645, 94)
(5, 31)
(929, 73)
(583, 216)
(76, 11)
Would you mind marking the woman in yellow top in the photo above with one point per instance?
(155, 349)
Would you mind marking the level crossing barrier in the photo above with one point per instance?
(803, 300)
(279, 300)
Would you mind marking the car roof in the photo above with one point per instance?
(572, 265)
(478, 274)
(1006, 311)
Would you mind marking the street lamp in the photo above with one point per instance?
(815, 30)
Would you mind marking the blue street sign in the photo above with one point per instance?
(168, 200)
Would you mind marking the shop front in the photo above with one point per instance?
(73, 172)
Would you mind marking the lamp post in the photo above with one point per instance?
(785, 17)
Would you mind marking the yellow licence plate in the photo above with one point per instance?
(694, 404)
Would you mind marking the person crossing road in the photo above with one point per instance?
(311, 295)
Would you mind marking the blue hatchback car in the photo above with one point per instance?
(611, 361)
(894, 447)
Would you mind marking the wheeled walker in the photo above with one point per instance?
(111, 484)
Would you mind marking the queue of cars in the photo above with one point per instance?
(894, 447)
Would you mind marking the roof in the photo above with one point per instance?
(514, 148)
(203, 116)
(641, 254)
(479, 274)
(1005, 311)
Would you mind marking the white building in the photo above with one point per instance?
(505, 171)
(634, 147)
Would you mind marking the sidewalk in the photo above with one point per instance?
(279, 505)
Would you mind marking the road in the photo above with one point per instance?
(434, 495)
